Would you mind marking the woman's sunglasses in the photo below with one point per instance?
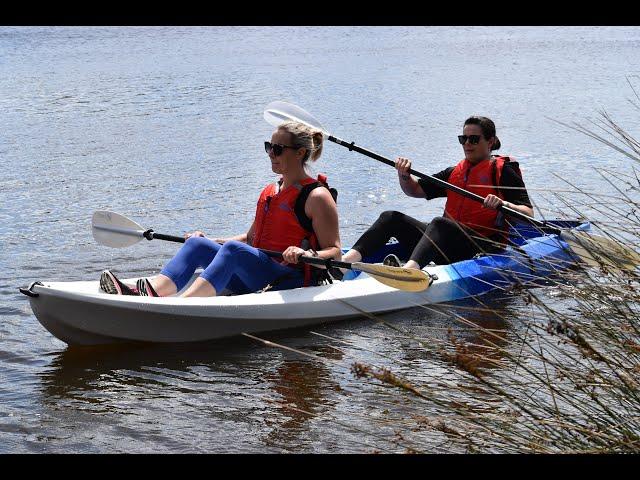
(473, 139)
(276, 147)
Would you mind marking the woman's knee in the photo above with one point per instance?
(232, 246)
(390, 216)
(440, 221)
(195, 242)
(196, 245)
(234, 250)
(442, 224)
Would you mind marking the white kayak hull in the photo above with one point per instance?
(79, 314)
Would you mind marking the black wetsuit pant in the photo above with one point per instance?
(441, 241)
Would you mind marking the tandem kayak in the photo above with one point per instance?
(79, 314)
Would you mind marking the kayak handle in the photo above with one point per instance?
(29, 292)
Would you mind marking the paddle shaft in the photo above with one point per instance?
(443, 184)
(115, 230)
(329, 263)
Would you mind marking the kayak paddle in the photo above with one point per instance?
(591, 249)
(115, 230)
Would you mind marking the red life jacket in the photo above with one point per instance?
(278, 219)
(476, 178)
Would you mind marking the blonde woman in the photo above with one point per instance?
(292, 216)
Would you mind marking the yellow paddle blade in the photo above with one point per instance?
(597, 251)
(407, 279)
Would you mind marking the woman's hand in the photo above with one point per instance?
(493, 202)
(292, 254)
(197, 233)
(408, 184)
(403, 165)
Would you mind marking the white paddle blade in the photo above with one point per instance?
(114, 230)
(279, 112)
(597, 251)
(407, 279)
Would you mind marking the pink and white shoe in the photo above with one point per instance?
(145, 289)
(109, 283)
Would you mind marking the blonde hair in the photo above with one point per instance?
(305, 137)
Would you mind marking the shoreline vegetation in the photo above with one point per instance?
(565, 379)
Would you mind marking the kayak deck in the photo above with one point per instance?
(79, 314)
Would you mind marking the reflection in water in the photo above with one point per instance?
(232, 395)
(77, 371)
(483, 324)
(485, 328)
(156, 398)
(304, 388)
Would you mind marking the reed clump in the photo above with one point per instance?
(566, 379)
(558, 371)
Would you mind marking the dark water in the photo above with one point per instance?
(164, 125)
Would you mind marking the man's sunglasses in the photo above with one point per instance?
(276, 147)
(473, 139)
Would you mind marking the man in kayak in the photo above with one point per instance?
(292, 216)
(467, 227)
